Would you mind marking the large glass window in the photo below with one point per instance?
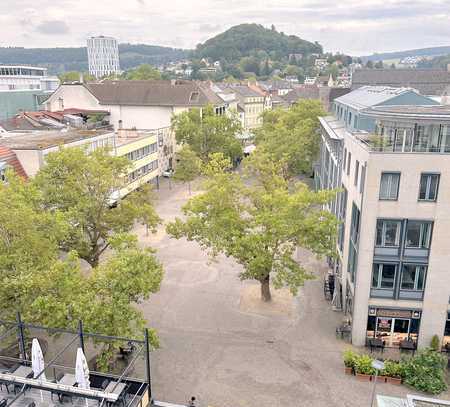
(418, 234)
(388, 233)
(356, 173)
(389, 185)
(383, 276)
(429, 184)
(413, 277)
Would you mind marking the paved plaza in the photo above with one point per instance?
(220, 344)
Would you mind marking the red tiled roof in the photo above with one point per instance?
(8, 156)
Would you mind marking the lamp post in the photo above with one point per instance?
(377, 365)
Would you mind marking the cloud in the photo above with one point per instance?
(53, 27)
(208, 28)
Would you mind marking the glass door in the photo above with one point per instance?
(400, 331)
(384, 329)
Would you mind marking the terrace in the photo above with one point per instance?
(53, 379)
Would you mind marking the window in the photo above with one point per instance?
(389, 186)
(413, 277)
(363, 179)
(383, 276)
(388, 233)
(418, 234)
(356, 173)
(349, 161)
(345, 159)
(429, 184)
(354, 229)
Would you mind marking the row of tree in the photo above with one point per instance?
(55, 228)
(259, 217)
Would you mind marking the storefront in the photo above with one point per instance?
(393, 325)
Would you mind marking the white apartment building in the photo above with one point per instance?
(103, 56)
(391, 273)
(22, 77)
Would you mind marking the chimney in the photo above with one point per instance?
(448, 67)
(173, 82)
(81, 77)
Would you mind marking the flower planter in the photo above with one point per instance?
(363, 377)
(394, 380)
(349, 370)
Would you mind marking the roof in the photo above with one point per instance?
(42, 140)
(240, 90)
(368, 96)
(426, 81)
(9, 157)
(275, 84)
(438, 112)
(304, 92)
(152, 93)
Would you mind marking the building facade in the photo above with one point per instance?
(391, 277)
(103, 56)
(22, 77)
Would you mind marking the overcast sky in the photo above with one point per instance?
(356, 27)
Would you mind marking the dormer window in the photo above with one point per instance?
(194, 97)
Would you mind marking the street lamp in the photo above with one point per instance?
(377, 365)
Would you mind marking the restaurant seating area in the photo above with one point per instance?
(61, 376)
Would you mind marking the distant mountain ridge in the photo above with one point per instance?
(58, 60)
(423, 52)
(246, 40)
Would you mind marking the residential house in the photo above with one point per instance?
(390, 160)
(9, 161)
(426, 81)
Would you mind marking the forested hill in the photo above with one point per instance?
(250, 39)
(58, 60)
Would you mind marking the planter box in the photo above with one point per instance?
(393, 380)
(363, 377)
(348, 370)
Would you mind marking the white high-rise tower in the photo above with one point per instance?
(103, 56)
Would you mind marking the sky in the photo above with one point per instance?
(355, 27)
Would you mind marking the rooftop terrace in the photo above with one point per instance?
(126, 381)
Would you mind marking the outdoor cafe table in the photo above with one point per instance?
(23, 371)
(68, 379)
(115, 388)
(408, 345)
(376, 343)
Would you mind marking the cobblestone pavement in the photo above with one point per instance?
(226, 349)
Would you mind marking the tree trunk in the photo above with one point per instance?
(265, 289)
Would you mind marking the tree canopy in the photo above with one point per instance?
(142, 72)
(259, 223)
(291, 136)
(188, 166)
(80, 186)
(206, 133)
(47, 224)
(75, 76)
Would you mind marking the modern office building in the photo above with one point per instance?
(103, 56)
(391, 273)
(22, 77)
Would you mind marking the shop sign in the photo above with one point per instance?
(392, 313)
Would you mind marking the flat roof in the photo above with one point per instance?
(437, 112)
(42, 140)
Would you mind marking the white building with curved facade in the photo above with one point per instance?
(103, 56)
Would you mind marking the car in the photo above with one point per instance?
(168, 173)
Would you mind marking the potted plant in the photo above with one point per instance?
(349, 361)
(363, 368)
(392, 372)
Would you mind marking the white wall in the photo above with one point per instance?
(141, 117)
(31, 161)
(73, 96)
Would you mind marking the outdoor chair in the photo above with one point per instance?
(3, 402)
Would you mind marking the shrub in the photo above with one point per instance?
(363, 365)
(393, 368)
(435, 342)
(350, 358)
(426, 372)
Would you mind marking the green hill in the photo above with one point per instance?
(421, 52)
(247, 40)
(59, 60)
